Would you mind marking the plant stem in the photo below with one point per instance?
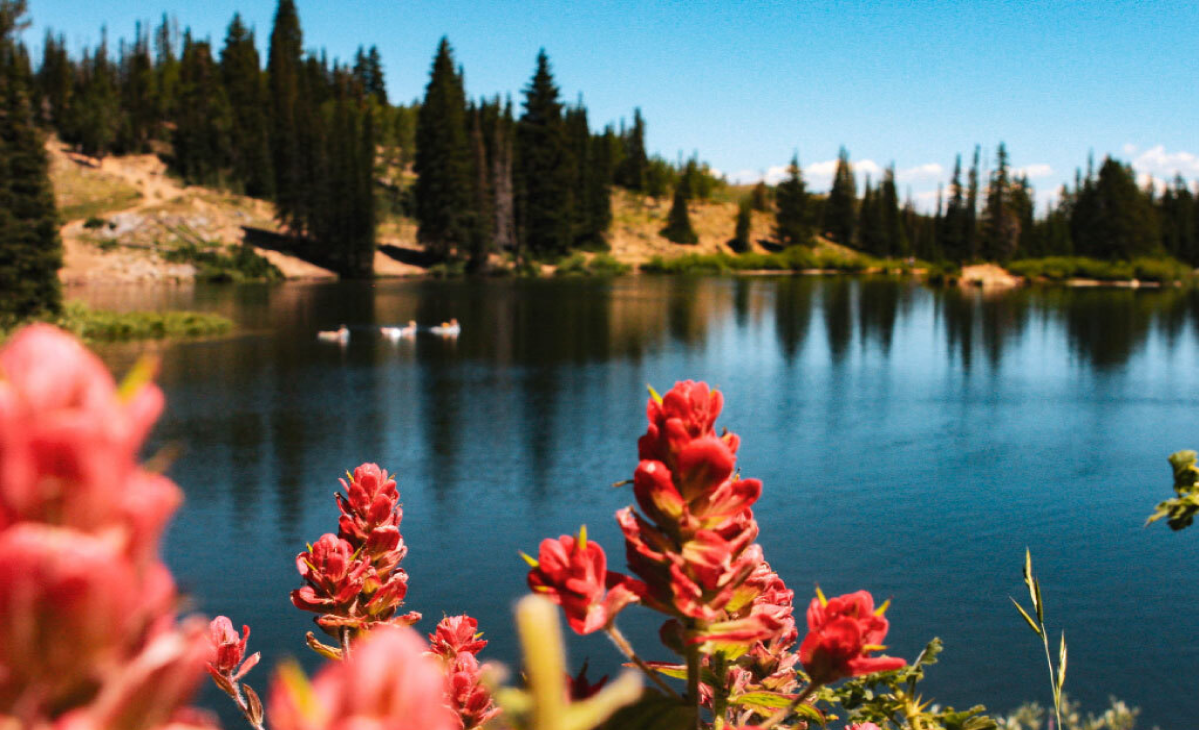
(345, 643)
(785, 712)
(693, 669)
(1057, 698)
(627, 649)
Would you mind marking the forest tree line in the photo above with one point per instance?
(321, 139)
(1105, 215)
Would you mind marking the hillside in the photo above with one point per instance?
(122, 214)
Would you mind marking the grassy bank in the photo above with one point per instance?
(1063, 268)
(97, 325)
(795, 258)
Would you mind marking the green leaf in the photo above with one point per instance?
(772, 700)
(1040, 604)
(1031, 624)
(652, 712)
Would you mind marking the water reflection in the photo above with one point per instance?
(857, 401)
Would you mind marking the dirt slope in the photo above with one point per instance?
(119, 211)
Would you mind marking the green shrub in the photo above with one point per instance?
(93, 223)
(601, 264)
(238, 264)
(1061, 268)
(102, 325)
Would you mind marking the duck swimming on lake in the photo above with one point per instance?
(395, 333)
(341, 335)
(447, 329)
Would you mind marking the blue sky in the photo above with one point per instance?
(747, 83)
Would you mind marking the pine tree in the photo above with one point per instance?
(55, 81)
(96, 111)
(678, 222)
(760, 197)
(140, 118)
(793, 223)
(894, 236)
(970, 225)
(482, 214)
(30, 249)
(839, 212)
(245, 85)
(634, 167)
(544, 168)
(1120, 222)
(166, 68)
(740, 242)
(1030, 242)
(498, 136)
(597, 192)
(1180, 222)
(204, 123)
(952, 233)
(871, 233)
(1000, 234)
(285, 71)
(443, 161)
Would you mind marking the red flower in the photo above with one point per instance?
(229, 649)
(70, 442)
(456, 635)
(389, 683)
(372, 501)
(334, 576)
(75, 609)
(842, 632)
(579, 687)
(687, 412)
(573, 573)
(467, 696)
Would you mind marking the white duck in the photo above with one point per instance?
(396, 333)
(341, 335)
(447, 329)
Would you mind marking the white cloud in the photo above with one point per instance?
(1035, 171)
(1159, 163)
(927, 171)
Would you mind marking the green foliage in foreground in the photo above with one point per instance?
(105, 326)
(236, 265)
(599, 265)
(1061, 268)
(794, 258)
(1180, 509)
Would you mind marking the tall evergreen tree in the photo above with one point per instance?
(95, 118)
(760, 197)
(896, 240)
(30, 249)
(793, 222)
(952, 233)
(871, 232)
(1180, 222)
(1000, 234)
(971, 222)
(204, 124)
(678, 222)
(740, 242)
(285, 72)
(443, 161)
(483, 215)
(634, 166)
(544, 168)
(1120, 222)
(140, 118)
(839, 212)
(245, 86)
(166, 68)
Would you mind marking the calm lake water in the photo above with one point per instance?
(912, 442)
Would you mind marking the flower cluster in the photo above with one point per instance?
(89, 638)
(353, 579)
(456, 641)
(573, 572)
(229, 664)
(694, 543)
(842, 633)
(391, 682)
